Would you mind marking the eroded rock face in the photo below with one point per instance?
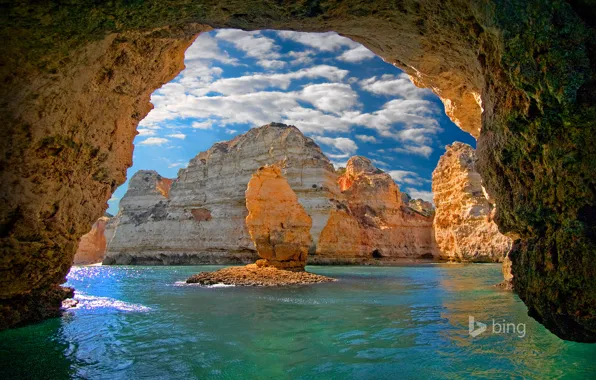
(202, 218)
(76, 85)
(463, 224)
(92, 246)
(276, 221)
(370, 220)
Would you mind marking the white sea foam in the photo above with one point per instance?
(220, 285)
(94, 302)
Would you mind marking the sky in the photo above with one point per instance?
(333, 89)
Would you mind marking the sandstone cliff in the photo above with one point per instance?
(92, 246)
(201, 219)
(277, 223)
(370, 220)
(463, 224)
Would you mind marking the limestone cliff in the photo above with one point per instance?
(202, 217)
(92, 246)
(463, 224)
(370, 220)
(276, 221)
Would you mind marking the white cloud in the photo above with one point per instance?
(379, 162)
(146, 132)
(254, 44)
(255, 82)
(113, 199)
(419, 150)
(366, 138)
(405, 115)
(180, 136)
(337, 156)
(420, 194)
(329, 41)
(202, 124)
(231, 131)
(400, 85)
(206, 47)
(154, 141)
(330, 97)
(301, 57)
(343, 144)
(356, 54)
(407, 177)
(178, 164)
(271, 64)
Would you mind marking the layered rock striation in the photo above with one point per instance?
(371, 222)
(463, 224)
(201, 219)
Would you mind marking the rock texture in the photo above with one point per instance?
(93, 245)
(255, 275)
(518, 74)
(277, 223)
(463, 224)
(507, 282)
(370, 220)
(201, 219)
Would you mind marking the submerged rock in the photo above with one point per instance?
(255, 275)
(277, 223)
(463, 223)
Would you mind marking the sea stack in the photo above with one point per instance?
(201, 218)
(276, 221)
(92, 246)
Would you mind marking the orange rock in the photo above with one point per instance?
(464, 226)
(163, 186)
(372, 221)
(92, 246)
(276, 222)
(341, 236)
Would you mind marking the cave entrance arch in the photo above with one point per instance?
(518, 75)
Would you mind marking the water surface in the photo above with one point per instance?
(375, 322)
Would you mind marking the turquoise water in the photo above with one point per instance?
(375, 322)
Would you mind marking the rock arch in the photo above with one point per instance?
(518, 75)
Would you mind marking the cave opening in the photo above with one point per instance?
(376, 254)
(76, 152)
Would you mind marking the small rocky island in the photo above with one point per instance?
(280, 230)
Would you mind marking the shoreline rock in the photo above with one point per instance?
(464, 224)
(255, 275)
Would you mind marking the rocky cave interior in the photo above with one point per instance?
(518, 76)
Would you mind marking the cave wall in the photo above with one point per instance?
(518, 75)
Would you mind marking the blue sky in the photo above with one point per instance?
(334, 90)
